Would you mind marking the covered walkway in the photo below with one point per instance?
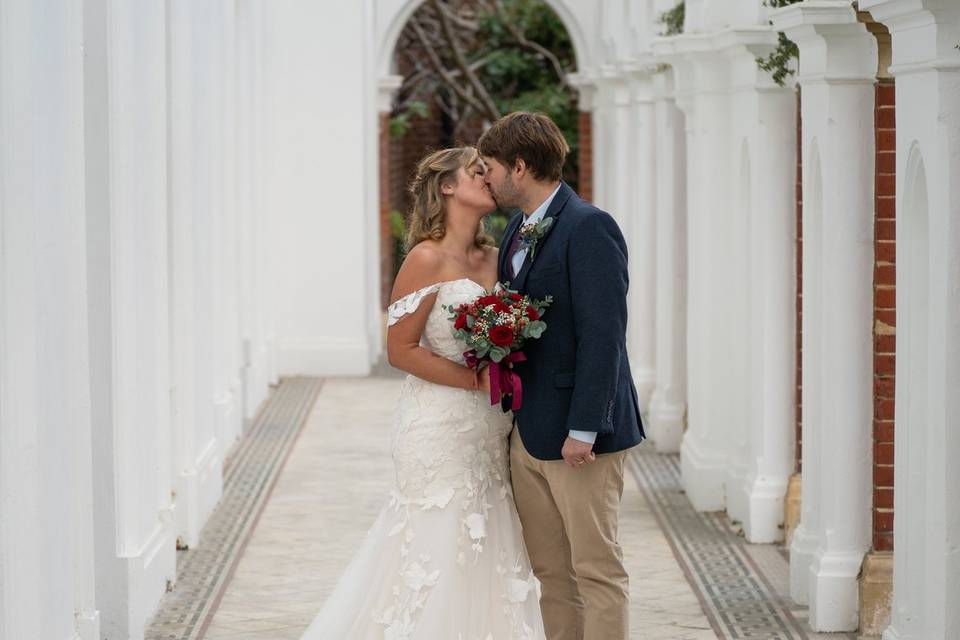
(303, 486)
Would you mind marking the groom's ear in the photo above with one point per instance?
(519, 168)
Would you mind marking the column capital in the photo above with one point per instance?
(386, 87)
(615, 83)
(835, 47)
(586, 86)
(925, 32)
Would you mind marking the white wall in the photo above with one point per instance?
(127, 363)
(317, 191)
(46, 515)
(126, 201)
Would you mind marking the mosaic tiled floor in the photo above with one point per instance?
(742, 587)
(249, 476)
(264, 577)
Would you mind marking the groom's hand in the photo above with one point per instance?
(576, 453)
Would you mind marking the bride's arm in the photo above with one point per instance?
(419, 270)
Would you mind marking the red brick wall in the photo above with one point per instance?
(799, 258)
(585, 188)
(884, 341)
(386, 240)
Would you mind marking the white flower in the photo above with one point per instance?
(517, 590)
(438, 500)
(416, 577)
(477, 525)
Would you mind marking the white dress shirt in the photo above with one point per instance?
(583, 436)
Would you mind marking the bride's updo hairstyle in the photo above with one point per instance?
(428, 218)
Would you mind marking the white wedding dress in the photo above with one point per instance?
(445, 559)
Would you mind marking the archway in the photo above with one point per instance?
(406, 134)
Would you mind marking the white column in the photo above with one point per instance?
(318, 199)
(668, 402)
(46, 495)
(227, 390)
(642, 213)
(702, 78)
(602, 125)
(126, 198)
(763, 208)
(926, 65)
(253, 305)
(838, 63)
(197, 456)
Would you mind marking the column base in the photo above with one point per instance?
(703, 475)
(88, 625)
(876, 591)
(835, 591)
(199, 489)
(737, 493)
(666, 424)
(764, 521)
(791, 507)
(891, 634)
(802, 547)
(644, 381)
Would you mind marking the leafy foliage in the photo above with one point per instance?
(777, 64)
(474, 60)
(400, 122)
(672, 20)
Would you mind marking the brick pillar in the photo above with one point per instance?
(586, 155)
(799, 259)
(792, 501)
(386, 239)
(884, 340)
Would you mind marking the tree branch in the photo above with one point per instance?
(521, 39)
(489, 108)
(441, 69)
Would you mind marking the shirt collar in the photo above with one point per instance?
(541, 211)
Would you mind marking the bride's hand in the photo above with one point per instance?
(484, 378)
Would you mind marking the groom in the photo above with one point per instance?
(580, 412)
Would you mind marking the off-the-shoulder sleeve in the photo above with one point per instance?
(408, 304)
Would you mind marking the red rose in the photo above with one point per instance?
(460, 322)
(533, 313)
(516, 296)
(487, 300)
(500, 307)
(501, 336)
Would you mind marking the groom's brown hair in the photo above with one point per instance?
(531, 137)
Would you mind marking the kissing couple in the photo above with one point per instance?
(501, 525)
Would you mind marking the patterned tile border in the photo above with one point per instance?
(248, 479)
(736, 596)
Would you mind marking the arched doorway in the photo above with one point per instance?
(422, 105)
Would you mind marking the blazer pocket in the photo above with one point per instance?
(544, 272)
(564, 380)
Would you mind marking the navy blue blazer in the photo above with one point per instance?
(576, 375)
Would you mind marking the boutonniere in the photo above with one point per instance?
(532, 234)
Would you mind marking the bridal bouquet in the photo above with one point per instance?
(495, 327)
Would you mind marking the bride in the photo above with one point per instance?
(445, 559)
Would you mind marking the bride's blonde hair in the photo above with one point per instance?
(428, 218)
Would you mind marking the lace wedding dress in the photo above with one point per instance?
(445, 558)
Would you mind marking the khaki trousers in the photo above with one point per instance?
(570, 527)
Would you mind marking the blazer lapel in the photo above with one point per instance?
(556, 207)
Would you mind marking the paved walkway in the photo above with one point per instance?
(284, 533)
(333, 486)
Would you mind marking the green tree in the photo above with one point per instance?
(475, 60)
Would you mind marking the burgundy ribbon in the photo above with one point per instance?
(503, 380)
